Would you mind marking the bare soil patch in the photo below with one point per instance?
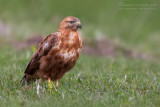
(103, 47)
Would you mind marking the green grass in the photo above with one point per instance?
(93, 82)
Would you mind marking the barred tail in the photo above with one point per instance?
(26, 81)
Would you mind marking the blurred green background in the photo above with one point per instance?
(132, 23)
(95, 80)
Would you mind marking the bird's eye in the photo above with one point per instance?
(71, 22)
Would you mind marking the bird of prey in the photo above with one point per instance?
(56, 54)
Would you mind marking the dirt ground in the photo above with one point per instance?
(103, 47)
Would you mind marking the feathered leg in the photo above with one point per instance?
(56, 83)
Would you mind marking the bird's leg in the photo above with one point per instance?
(56, 83)
(50, 84)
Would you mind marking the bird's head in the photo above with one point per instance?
(71, 23)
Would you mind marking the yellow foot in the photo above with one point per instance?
(50, 84)
(56, 83)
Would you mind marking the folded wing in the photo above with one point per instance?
(43, 49)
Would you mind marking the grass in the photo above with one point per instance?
(92, 82)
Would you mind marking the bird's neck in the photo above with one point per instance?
(67, 31)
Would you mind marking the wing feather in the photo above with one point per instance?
(43, 49)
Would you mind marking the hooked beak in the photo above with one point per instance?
(79, 25)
